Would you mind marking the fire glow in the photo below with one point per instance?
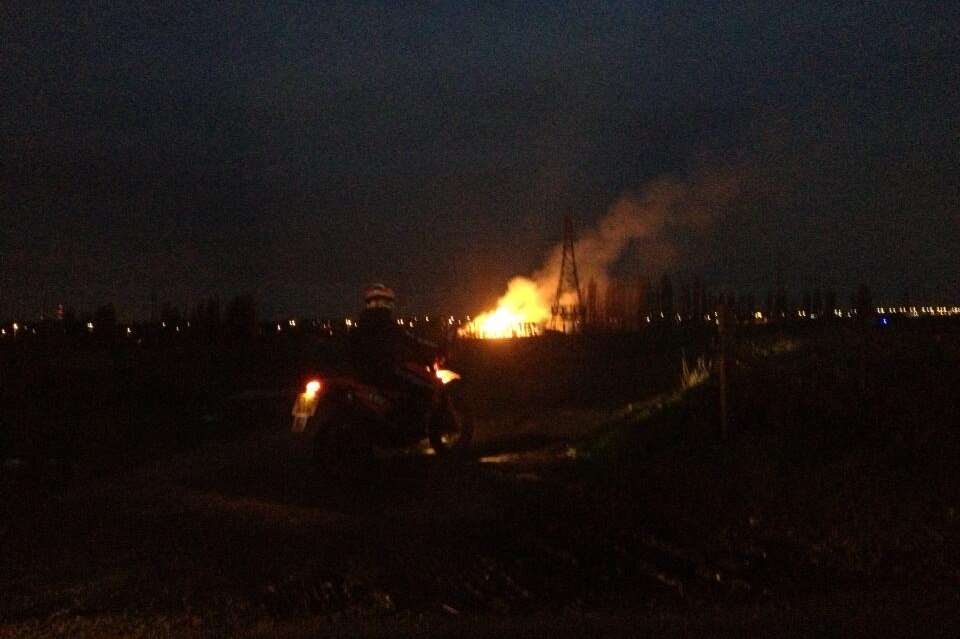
(521, 312)
(635, 220)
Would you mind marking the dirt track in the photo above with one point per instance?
(245, 530)
(674, 536)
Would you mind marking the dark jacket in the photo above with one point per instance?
(379, 346)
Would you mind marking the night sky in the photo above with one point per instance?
(297, 152)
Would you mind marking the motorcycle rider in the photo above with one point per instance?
(380, 347)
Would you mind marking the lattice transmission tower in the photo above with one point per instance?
(568, 309)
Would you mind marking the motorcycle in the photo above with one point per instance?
(351, 418)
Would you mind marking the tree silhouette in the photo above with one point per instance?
(105, 323)
(666, 296)
(241, 317)
(829, 303)
(593, 309)
(863, 302)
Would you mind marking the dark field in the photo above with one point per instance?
(158, 492)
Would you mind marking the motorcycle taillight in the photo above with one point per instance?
(314, 386)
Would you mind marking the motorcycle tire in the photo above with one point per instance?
(340, 448)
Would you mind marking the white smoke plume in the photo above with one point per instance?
(666, 204)
(682, 206)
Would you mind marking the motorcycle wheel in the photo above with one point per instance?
(451, 429)
(340, 448)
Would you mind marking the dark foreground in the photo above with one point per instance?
(832, 508)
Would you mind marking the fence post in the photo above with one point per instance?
(723, 328)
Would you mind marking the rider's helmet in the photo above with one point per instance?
(379, 296)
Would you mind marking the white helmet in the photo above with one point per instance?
(379, 296)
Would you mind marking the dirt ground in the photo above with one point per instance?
(591, 517)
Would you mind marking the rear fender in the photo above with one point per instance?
(310, 409)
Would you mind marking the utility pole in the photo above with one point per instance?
(568, 285)
(723, 329)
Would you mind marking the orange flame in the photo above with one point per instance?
(521, 312)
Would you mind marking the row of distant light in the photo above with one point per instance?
(918, 310)
(450, 321)
(837, 312)
(914, 311)
(760, 316)
(453, 321)
(16, 328)
(409, 321)
(326, 326)
(349, 322)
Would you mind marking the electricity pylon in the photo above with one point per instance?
(567, 309)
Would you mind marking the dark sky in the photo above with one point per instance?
(295, 152)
